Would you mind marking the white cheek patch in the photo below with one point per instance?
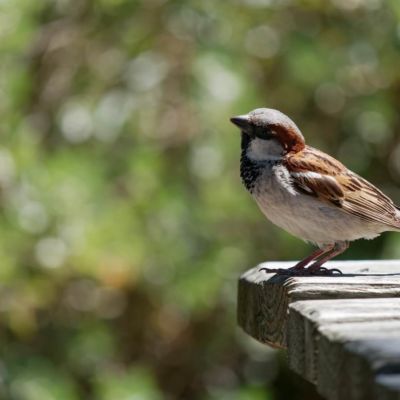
(264, 150)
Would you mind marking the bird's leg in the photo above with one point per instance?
(317, 253)
(316, 268)
(301, 264)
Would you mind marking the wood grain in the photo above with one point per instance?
(342, 332)
(263, 299)
(355, 346)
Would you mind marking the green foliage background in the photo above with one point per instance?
(123, 224)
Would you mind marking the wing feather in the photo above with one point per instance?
(317, 174)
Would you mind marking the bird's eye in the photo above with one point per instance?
(264, 133)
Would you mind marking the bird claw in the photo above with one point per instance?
(278, 271)
(321, 271)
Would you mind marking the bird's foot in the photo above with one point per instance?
(294, 271)
(278, 271)
(322, 271)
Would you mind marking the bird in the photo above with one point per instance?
(307, 192)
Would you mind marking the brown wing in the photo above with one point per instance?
(317, 174)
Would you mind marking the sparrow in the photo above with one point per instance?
(307, 192)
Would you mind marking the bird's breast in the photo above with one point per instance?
(302, 215)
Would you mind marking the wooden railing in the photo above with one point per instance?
(342, 333)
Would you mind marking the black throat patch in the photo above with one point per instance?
(249, 170)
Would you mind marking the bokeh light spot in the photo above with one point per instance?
(146, 71)
(51, 252)
(262, 41)
(206, 161)
(33, 217)
(373, 127)
(76, 123)
(330, 98)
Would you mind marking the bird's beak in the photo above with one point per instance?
(241, 121)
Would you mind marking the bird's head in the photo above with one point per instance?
(268, 134)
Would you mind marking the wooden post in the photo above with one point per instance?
(342, 333)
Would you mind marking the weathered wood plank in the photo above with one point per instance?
(263, 299)
(349, 348)
(306, 317)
